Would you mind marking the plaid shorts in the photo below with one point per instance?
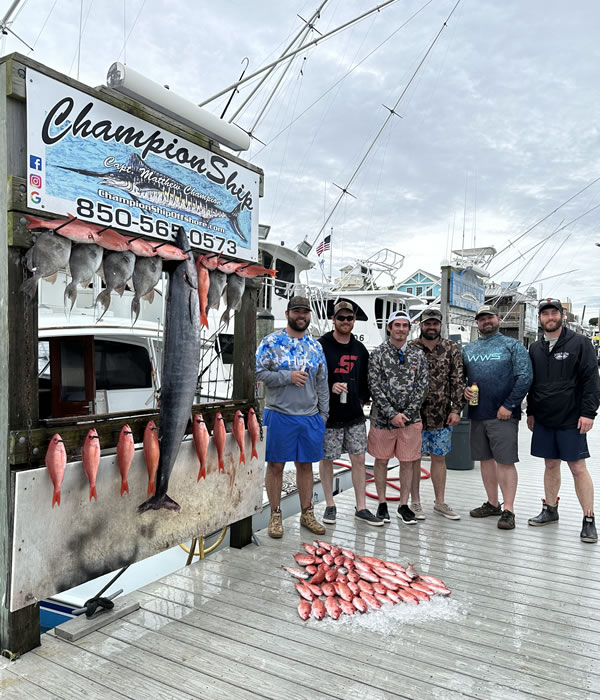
(350, 440)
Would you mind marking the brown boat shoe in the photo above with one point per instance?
(275, 528)
(308, 520)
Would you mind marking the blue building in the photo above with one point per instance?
(422, 284)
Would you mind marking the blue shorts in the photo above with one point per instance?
(553, 443)
(293, 438)
(436, 442)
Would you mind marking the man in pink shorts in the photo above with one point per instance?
(398, 380)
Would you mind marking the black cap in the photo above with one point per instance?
(298, 303)
(342, 306)
(550, 304)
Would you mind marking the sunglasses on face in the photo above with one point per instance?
(344, 318)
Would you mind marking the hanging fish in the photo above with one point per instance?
(90, 455)
(201, 440)
(84, 262)
(45, 258)
(125, 453)
(210, 260)
(239, 432)
(218, 280)
(254, 431)
(254, 271)
(234, 293)
(117, 270)
(203, 286)
(56, 460)
(151, 454)
(219, 435)
(146, 275)
(181, 360)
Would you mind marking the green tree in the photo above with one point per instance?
(593, 321)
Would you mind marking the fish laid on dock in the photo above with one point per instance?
(350, 583)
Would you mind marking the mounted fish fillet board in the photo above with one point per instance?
(57, 548)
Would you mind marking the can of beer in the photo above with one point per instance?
(344, 394)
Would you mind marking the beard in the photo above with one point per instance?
(489, 328)
(298, 324)
(431, 334)
(551, 325)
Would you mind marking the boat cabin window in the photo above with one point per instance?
(121, 366)
(286, 276)
(383, 309)
(224, 348)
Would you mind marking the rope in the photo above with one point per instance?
(389, 481)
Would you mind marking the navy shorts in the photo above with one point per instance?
(553, 443)
(293, 438)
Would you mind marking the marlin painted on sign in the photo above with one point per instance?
(141, 181)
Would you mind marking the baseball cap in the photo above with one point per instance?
(492, 310)
(395, 315)
(298, 303)
(550, 304)
(431, 314)
(341, 306)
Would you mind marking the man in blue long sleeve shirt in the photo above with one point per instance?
(502, 369)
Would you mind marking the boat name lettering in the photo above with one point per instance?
(58, 124)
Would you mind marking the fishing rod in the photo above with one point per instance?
(392, 113)
(511, 243)
(343, 77)
(299, 36)
(292, 53)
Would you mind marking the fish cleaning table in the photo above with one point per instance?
(522, 620)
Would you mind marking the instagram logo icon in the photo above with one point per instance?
(35, 180)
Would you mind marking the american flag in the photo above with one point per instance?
(324, 245)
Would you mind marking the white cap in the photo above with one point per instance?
(395, 315)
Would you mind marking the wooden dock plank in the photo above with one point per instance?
(461, 646)
(14, 687)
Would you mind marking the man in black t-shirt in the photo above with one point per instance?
(347, 367)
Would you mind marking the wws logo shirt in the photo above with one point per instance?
(502, 369)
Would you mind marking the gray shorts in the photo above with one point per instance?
(495, 439)
(351, 440)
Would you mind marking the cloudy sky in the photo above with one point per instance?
(499, 126)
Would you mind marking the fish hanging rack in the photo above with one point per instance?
(28, 447)
(202, 552)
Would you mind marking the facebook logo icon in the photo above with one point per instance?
(35, 162)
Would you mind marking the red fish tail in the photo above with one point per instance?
(203, 318)
(56, 497)
(93, 493)
(124, 487)
(151, 488)
(201, 473)
(254, 453)
(221, 464)
(273, 273)
(242, 458)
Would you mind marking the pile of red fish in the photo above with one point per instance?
(336, 581)
(56, 455)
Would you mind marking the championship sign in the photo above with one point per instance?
(91, 160)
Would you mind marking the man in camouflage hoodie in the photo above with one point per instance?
(398, 379)
(440, 411)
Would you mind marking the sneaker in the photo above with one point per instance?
(308, 520)
(329, 515)
(548, 515)
(445, 510)
(486, 510)
(406, 515)
(507, 520)
(275, 528)
(417, 509)
(588, 531)
(383, 513)
(367, 517)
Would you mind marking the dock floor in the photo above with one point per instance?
(523, 620)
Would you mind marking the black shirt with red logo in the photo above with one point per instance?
(346, 362)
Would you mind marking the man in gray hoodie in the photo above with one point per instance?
(294, 370)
